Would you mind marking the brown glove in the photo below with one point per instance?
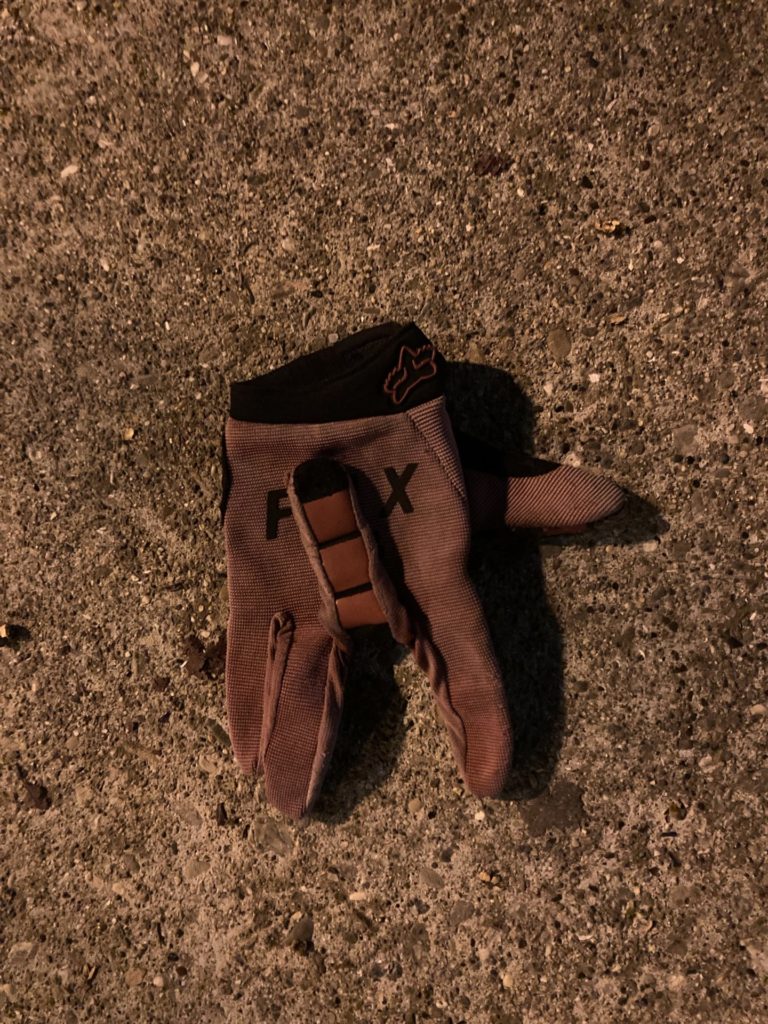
(346, 506)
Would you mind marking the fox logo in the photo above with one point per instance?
(278, 508)
(413, 366)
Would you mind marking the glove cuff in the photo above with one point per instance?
(377, 372)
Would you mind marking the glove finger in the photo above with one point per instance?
(304, 688)
(303, 696)
(244, 672)
(527, 493)
(546, 496)
(340, 547)
(451, 642)
(454, 648)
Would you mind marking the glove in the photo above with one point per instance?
(345, 506)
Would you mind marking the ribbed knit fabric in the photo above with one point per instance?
(287, 652)
(548, 497)
(369, 411)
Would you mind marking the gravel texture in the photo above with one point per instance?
(571, 194)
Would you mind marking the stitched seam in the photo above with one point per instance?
(283, 647)
(429, 448)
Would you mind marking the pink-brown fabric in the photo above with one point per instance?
(308, 563)
(287, 652)
(553, 499)
(346, 564)
(330, 516)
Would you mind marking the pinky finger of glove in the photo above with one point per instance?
(303, 696)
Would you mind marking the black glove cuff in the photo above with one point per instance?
(376, 372)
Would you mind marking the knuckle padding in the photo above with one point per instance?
(331, 516)
(345, 559)
(346, 564)
(360, 609)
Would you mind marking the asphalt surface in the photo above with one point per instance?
(571, 200)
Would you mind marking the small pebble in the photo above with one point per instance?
(475, 354)
(83, 794)
(217, 730)
(189, 816)
(158, 981)
(21, 952)
(684, 439)
(130, 863)
(195, 868)
(430, 878)
(301, 931)
(208, 763)
(273, 837)
(461, 911)
(559, 343)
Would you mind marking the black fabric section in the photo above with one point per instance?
(318, 478)
(343, 382)
(398, 483)
(353, 590)
(226, 477)
(276, 510)
(484, 458)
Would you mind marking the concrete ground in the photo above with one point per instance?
(571, 194)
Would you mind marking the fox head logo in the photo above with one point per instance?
(413, 366)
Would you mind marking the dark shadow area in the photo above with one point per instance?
(526, 635)
(488, 404)
(372, 728)
(13, 635)
(507, 571)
